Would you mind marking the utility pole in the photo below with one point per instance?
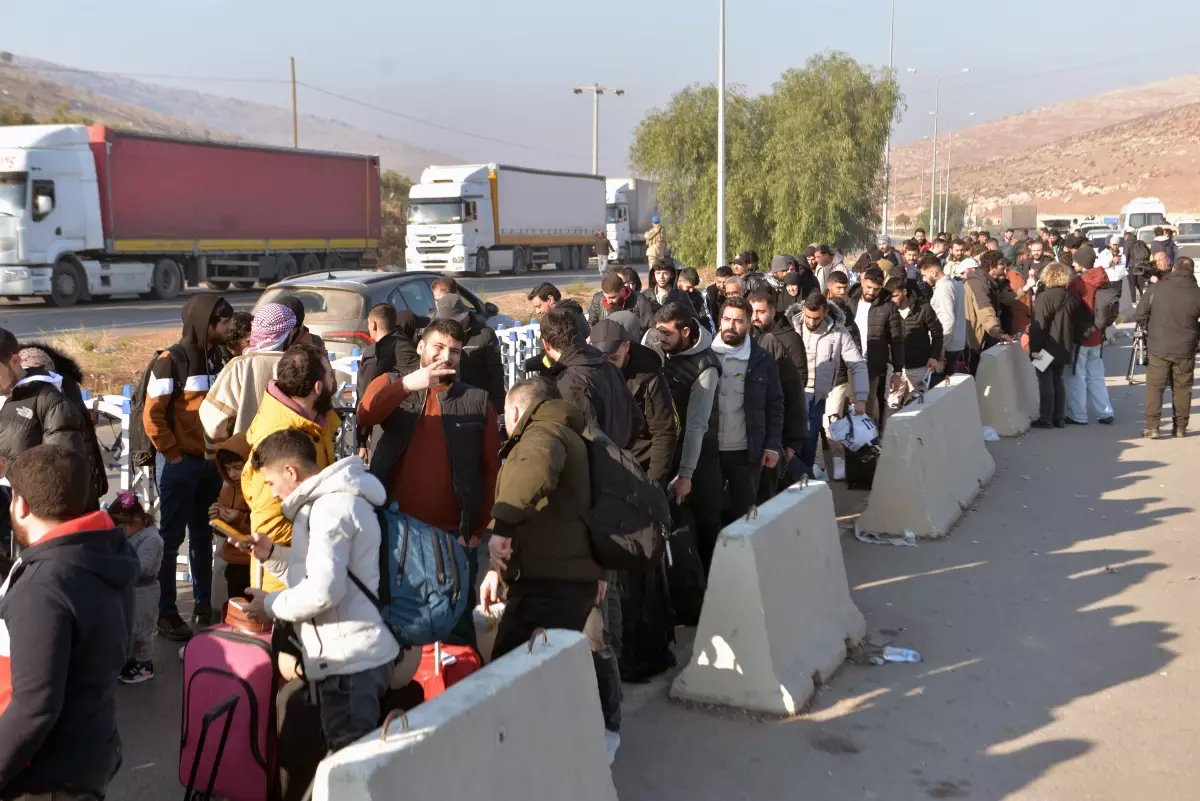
(295, 118)
(887, 150)
(949, 153)
(721, 251)
(596, 90)
(933, 177)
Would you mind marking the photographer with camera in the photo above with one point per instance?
(1169, 312)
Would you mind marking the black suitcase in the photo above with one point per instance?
(860, 466)
(685, 569)
(647, 625)
(301, 740)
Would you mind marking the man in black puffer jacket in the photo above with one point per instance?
(881, 338)
(35, 412)
(1168, 312)
(923, 336)
(643, 371)
(482, 365)
(585, 378)
(772, 332)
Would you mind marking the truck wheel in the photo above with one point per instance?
(285, 267)
(481, 263)
(579, 258)
(243, 285)
(166, 281)
(217, 286)
(568, 258)
(519, 266)
(309, 263)
(66, 285)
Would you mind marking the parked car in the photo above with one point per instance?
(336, 303)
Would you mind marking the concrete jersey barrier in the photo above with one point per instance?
(527, 726)
(932, 465)
(1002, 385)
(777, 611)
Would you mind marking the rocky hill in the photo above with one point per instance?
(164, 109)
(1083, 157)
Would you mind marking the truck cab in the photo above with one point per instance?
(49, 203)
(449, 219)
(617, 210)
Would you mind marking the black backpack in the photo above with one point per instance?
(629, 516)
(141, 449)
(1107, 305)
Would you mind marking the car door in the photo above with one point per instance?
(416, 296)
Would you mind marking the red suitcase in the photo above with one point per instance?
(443, 666)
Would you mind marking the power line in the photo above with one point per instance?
(439, 126)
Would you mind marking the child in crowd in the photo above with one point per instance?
(231, 507)
(127, 512)
(332, 564)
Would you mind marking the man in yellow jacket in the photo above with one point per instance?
(301, 398)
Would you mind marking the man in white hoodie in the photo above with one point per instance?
(949, 304)
(347, 650)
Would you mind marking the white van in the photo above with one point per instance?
(1143, 211)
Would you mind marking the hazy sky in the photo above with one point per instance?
(505, 69)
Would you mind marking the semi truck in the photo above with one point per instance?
(90, 211)
(632, 206)
(482, 218)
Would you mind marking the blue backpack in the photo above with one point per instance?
(423, 579)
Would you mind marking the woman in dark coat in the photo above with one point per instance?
(1058, 322)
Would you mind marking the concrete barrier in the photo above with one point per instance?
(777, 611)
(932, 465)
(1002, 383)
(527, 726)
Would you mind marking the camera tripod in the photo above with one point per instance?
(1137, 354)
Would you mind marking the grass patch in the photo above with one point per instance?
(110, 361)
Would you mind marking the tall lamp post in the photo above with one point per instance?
(596, 90)
(949, 152)
(721, 252)
(937, 92)
(887, 149)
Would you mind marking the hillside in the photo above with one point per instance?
(1085, 156)
(42, 96)
(256, 122)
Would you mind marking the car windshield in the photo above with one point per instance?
(434, 212)
(321, 304)
(1189, 229)
(12, 194)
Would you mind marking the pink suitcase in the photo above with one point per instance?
(227, 746)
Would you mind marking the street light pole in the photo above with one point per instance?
(596, 90)
(721, 252)
(887, 150)
(949, 153)
(933, 177)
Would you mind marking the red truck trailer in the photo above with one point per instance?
(111, 211)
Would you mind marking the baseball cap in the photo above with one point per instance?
(607, 335)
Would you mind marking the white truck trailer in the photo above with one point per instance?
(632, 206)
(481, 218)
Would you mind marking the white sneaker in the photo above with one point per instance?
(612, 741)
(839, 468)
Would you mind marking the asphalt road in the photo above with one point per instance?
(1057, 624)
(30, 318)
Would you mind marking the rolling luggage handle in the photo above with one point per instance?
(227, 708)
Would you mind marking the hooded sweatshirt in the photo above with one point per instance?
(335, 530)
(598, 390)
(172, 413)
(694, 376)
(67, 612)
(1084, 286)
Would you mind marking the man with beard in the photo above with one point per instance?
(745, 267)
(67, 618)
(750, 420)
(662, 283)
(1038, 257)
(621, 291)
(439, 453)
(300, 397)
(881, 338)
(773, 333)
(188, 483)
(693, 374)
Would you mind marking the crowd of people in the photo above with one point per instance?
(722, 393)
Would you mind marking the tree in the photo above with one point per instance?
(803, 162)
(393, 196)
(903, 220)
(64, 115)
(11, 115)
